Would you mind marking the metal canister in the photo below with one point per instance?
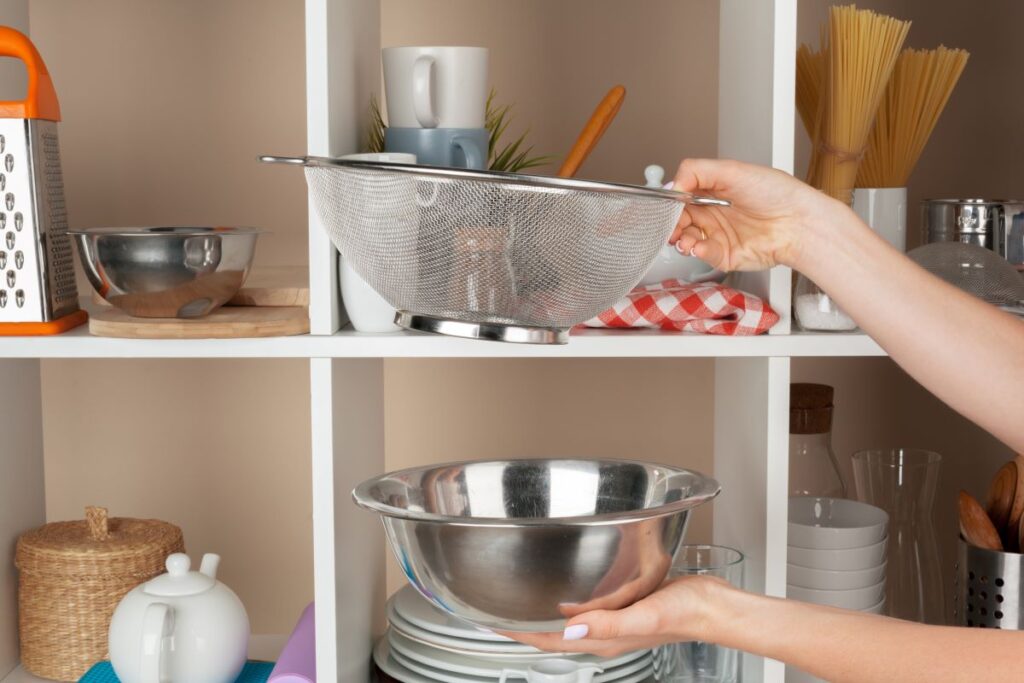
(987, 223)
(37, 274)
(988, 589)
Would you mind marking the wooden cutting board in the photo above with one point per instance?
(274, 286)
(223, 323)
(265, 286)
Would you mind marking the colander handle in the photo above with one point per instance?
(707, 201)
(41, 99)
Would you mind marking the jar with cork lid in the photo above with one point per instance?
(813, 468)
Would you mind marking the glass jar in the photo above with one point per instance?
(902, 481)
(813, 468)
(483, 280)
(815, 310)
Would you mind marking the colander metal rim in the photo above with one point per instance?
(501, 177)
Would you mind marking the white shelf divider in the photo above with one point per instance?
(347, 407)
(22, 490)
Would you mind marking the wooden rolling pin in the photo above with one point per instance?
(592, 132)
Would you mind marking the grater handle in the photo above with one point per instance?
(41, 100)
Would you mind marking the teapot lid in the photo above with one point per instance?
(179, 581)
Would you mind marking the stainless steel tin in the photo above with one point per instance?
(522, 545)
(38, 283)
(986, 223)
(988, 587)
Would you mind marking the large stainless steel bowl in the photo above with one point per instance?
(166, 272)
(522, 545)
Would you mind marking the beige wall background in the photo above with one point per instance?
(166, 104)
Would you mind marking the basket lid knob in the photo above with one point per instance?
(99, 523)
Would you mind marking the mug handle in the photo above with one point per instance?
(422, 80)
(157, 624)
(474, 155)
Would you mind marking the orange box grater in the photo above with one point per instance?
(38, 294)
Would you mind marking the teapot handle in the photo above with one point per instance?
(157, 624)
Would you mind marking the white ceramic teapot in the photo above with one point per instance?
(180, 627)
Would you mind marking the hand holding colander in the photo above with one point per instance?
(491, 255)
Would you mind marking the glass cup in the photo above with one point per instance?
(697, 662)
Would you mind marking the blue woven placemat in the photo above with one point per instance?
(252, 672)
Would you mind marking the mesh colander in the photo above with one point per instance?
(490, 255)
(975, 270)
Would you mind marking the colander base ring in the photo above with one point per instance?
(516, 334)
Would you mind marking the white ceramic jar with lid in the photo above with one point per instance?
(180, 627)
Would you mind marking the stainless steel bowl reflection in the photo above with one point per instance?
(522, 545)
(166, 272)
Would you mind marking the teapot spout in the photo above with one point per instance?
(209, 565)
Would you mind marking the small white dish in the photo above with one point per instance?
(845, 559)
(383, 657)
(857, 598)
(669, 264)
(877, 609)
(824, 579)
(834, 523)
(410, 654)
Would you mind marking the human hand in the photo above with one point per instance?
(681, 610)
(641, 540)
(771, 221)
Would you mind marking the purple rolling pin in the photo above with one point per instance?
(297, 663)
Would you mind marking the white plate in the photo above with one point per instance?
(382, 656)
(405, 649)
(416, 610)
(834, 580)
(461, 645)
(834, 523)
(857, 598)
(848, 559)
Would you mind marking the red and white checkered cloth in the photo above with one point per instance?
(706, 307)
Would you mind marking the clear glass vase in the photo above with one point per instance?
(816, 311)
(902, 481)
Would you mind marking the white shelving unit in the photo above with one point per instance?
(756, 123)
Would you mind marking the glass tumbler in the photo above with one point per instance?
(902, 482)
(697, 662)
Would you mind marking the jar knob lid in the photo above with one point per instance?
(99, 525)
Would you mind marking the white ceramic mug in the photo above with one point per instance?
(367, 310)
(884, 209)
(435, 87)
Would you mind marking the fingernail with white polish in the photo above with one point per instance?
(575, 632)
(679, 247)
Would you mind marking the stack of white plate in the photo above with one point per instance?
(425, 645)
(837, 553)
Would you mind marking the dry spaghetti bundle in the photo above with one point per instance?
(862, 50)
(918, 91)
(810, 75)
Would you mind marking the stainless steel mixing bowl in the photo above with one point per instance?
(166, 272)
(522, 545)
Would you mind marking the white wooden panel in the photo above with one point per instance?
(752, 464)
(22, 493)
(348, 446)
(342, 70)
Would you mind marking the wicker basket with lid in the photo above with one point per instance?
(71, 577)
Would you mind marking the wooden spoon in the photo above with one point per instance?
(1000, 502)
(975, 526)
(1017, 509)
(1020, 536)
(592, 132)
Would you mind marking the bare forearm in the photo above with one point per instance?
(965, 352)
(843, 646)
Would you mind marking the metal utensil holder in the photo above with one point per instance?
(988, 585)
